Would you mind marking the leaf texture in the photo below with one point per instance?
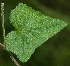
(32, 30)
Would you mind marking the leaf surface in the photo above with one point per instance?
(32, 29)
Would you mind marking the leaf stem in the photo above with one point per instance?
(14, 60)
(2, 16)
(2, 45)
(11, 56)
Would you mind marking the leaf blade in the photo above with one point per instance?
(33, 29)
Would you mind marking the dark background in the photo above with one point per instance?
(54, 52)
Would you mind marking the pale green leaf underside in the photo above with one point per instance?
(32, 30)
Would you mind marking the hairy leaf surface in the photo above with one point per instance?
(32, 29)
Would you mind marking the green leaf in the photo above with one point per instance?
(32, 30)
